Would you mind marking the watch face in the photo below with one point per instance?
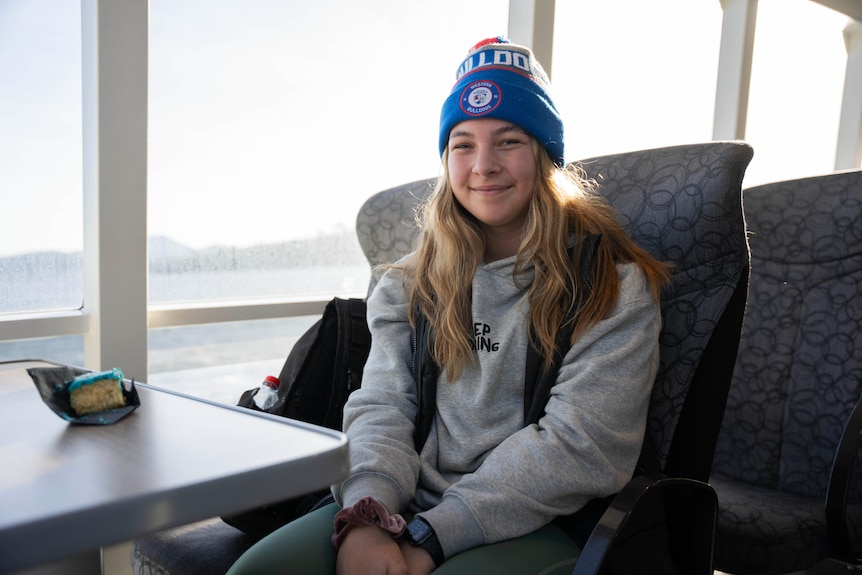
(419, 530)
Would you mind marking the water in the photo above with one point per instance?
(52, 288)
(326, 264)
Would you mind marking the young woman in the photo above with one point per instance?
(495, 267)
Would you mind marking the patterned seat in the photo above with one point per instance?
(683, 204)
(386, 224)
(797, 380)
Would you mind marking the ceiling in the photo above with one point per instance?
(852, 8)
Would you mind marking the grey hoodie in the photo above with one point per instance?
(483, 477)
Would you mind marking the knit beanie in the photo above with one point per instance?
(502, 80)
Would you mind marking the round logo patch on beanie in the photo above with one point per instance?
(480, 97)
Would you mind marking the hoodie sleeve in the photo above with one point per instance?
(585, 446)
(379, 416)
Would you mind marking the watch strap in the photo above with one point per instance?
(429, 542)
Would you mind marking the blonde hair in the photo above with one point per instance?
(439, 272)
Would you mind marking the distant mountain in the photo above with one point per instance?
(169, 256)
(164, 249)
(323, 250)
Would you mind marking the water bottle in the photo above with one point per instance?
(267, 393)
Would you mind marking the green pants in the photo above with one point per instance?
(303, 547)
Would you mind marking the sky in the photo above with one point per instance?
(271, 120)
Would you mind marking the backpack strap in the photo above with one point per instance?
(537, 386)
(425, 373)
(355, 340)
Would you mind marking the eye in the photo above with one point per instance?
(512, 142)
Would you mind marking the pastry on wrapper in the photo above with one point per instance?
(94, 392)
(99, 393)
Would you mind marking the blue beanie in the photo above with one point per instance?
(505, 81)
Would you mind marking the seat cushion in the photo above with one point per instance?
(763, 531)
(210, 546)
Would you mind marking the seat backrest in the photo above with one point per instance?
(386, 224)
(799, 370)
(683, 205)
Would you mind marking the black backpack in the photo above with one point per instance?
(326, 364)
(323, 368)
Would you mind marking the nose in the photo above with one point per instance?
(486, 162)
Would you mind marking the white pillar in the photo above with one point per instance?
(531, 24)
(734, 69)
(114, 67)
(848, 153)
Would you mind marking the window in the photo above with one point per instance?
(220, 361)
(631, 75)
(41, 228)
(797, 82)
(68, 349)
(635, 75)
(271, 122)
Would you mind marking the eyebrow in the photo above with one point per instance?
(497, 132)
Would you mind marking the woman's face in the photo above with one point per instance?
(493, 172)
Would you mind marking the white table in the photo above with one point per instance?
(67, 490)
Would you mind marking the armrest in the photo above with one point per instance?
(839, 485)
(665, 523)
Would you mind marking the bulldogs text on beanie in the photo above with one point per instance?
(502, 80)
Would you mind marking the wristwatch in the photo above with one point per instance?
(420, 534)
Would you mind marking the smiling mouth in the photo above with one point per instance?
(490, 189)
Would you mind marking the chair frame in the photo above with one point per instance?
(685, 497)
(693, 509)
(839, 487)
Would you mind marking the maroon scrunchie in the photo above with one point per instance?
(366, 511)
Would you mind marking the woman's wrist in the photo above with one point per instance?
(420, 534)
(366, 511)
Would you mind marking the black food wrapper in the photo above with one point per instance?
(53, 382)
